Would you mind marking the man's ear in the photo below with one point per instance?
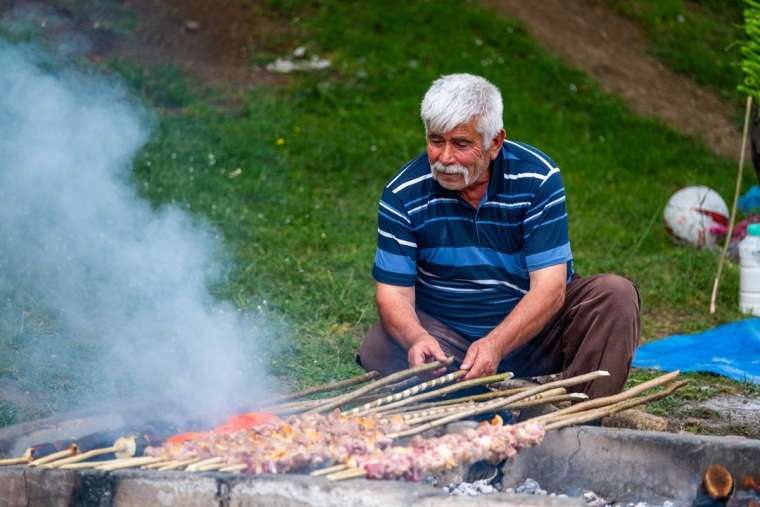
(496, 144)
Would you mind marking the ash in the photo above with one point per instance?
(531, 487)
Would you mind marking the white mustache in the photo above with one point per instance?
(439, 167)
(450, 169)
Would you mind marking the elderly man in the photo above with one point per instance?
(474, 260)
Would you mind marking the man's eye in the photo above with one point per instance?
(462, 144)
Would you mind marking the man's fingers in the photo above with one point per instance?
(470, 358)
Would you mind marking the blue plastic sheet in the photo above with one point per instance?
(732, 350)
(750, 200)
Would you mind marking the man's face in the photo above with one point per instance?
(457, 158)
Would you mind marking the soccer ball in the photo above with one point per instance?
(696, 215)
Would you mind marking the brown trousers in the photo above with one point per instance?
(597, 328)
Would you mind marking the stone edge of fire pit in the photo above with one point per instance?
(628, 465)
(22, 486)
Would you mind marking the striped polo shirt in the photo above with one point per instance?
(470, 266)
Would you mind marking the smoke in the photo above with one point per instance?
(117, 290)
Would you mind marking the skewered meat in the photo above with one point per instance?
(296, 443)
(490, 442)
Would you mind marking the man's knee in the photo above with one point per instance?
(618, 293)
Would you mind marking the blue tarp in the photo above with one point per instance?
(732, 350)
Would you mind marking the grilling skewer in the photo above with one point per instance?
(445, 379)
(127, 463)
(591, 415)
(69, 451)
(124, 447)
(607, 400)
(25, 459)
(327, 387)
(499, 404)
(446, 390)
(432, 404)
(390, 379)
(178, 464)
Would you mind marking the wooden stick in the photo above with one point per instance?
(237, 467)
(329, 470)
(157, 465)
(24, 459)
(196, 466)
(497, 404)
(351, 473)
(88, 464)
(512, 406)
(453, 401)
(179, 464)
(390, 379)
(592, 415)
(449, 389)
(327, 387)
(69, 451)
(445, 379)
(212, 466)
(716, 283)
(128, 463)
(83, 456)
(607, 400)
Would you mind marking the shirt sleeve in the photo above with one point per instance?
(396, 257)
(545, 226)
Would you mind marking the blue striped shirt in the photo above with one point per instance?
(470, 266)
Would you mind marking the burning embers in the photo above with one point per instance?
(363, 432)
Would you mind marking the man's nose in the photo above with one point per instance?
(447, 155)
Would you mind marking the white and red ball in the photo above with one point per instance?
(696, 215)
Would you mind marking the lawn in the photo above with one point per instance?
(291, 177)
(694, 37)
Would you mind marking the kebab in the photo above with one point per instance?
(492, 442)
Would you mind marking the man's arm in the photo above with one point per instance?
(532, 313)
(396, 307)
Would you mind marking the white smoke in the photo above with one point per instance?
(126, 284)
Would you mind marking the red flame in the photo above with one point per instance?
(234, 423)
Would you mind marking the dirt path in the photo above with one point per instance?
(612, 49)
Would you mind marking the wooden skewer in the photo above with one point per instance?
(69, 451)
(592, 415)
(212, 466)
(607, 400)
(178, 464)
(449, 389)
(85, 456)
(88, 464)
(195, 467)
(327, 387)
(128, 463)
(237, 467)
(445, 379)
(24, 459)
(431, 404)
(390, 379)
(328, 470)
(497, 404)
(512, 406)
(157, 465)
(294, 407)
(351, 473)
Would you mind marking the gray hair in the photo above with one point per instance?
(458, 98)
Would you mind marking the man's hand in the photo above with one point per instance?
(483, 358)
(424, 351)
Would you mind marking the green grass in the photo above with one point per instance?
(292, 178)
(694, 37)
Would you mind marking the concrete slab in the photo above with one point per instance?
(628, 466)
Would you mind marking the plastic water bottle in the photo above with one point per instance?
(749, 271)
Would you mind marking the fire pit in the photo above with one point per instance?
(372, 431)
